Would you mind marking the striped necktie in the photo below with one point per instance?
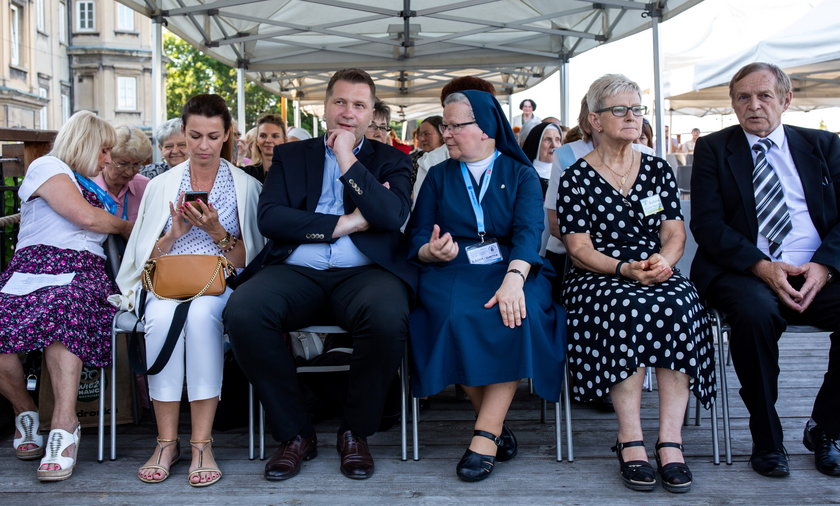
(771, 210)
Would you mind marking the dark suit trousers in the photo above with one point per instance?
(369, 302)
(758, 318)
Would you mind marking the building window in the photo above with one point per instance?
(62, 22)
(127, 93)
(85, 21)
(15, 34)
(125, 18)
(40, 21)
(65, 107)
(42, 92)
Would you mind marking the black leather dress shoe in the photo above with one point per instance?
(772, 463)
(826, 449)
(476, 466)
(510, 447)
(356, 461)
(287, 459)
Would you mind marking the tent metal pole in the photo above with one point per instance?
(158, 91)
(296, 104)
(240, 99)
(655, 14)
(564, 92)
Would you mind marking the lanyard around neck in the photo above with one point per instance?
(107, 201)
(476, 201)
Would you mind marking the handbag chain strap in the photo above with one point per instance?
(147, 280)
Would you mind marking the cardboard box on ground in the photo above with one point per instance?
(90, 388)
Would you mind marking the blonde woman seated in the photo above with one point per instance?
(167, 225)
(628, 308)
(53, 294)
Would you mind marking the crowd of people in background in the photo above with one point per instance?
(493, 248)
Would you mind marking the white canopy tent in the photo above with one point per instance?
(809, 51)
(410, 47)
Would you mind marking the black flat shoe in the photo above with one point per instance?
(636, 474)
(475, 466)
(772, 463)
(826, 449)
(676, 476)
(509, 447)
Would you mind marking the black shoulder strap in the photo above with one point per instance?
(136, 348)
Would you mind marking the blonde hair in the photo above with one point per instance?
(131, 143)
(80, 141)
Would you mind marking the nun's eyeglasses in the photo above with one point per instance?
(455, 128)
(620, 111)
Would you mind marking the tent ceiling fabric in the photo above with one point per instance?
(808, 51)
(410, 47)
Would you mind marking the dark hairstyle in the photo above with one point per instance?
(466, 83)
(211, 105)
(274, 119)
(436, 121)
(380, 108)
(352, 75)
(533, 104)
(647, 130)
(783, 86)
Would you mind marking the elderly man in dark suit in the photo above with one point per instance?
(331, 208)
(766, 215)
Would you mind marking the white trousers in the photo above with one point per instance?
(198, 354)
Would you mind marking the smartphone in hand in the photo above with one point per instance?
(193, 196)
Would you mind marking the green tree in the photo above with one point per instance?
(190, 72)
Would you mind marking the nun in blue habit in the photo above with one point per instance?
(485, 318)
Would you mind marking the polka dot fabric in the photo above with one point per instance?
(615, 324)
(223, 198)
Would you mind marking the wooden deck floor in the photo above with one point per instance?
(534, 477)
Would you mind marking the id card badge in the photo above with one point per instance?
(484, 253)
(652, 205)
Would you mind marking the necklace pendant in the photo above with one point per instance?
(623, 180)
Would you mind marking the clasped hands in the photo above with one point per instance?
(776, 275)
(654, 269)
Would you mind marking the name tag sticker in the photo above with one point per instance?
(484, 253)
(651, 205)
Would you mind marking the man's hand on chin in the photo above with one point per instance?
(776, 275)
(816, 276)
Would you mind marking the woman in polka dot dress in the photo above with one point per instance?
(628, 309)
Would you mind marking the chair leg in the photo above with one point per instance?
(100, 457)
(558, 437)
(567, 408)
(262, 432)
(715, 441)
(415, 433)
(404, 407)
(250, 421)
(723, 388)
(113, 398)
(648, 383)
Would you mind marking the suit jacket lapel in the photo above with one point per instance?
(810, 172)
(314, 173)
(740, 162)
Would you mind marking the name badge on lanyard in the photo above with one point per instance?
(485, 251)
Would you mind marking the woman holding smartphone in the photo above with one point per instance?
(219, 218)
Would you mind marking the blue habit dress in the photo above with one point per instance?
(454, 339)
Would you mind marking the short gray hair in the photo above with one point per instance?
(166, 129)
(458, 97)
(607, 86)
(783, 85)
(131, 143)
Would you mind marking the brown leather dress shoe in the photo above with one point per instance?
(356, 461)
(286, 460)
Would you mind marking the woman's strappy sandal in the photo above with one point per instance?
(27, 424)
(58, 441)
(475, 466)
(636, 474)
(201, 468)
(676, 476)
(161, 444)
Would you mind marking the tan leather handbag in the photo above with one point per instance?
(186, 277)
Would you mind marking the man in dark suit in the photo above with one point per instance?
(766, 216)
(331, 209)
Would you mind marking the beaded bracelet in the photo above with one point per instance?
(233, 241)
(516, 271)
